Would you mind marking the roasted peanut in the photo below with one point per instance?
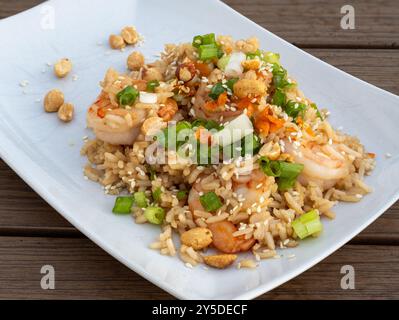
(53, 100)
(130, 35)
(221, 261)
(65, 112)
(249, 45)
(244, 88)
(197, 238)
(253, 64)
(152, 125)
(168, 110)
(135, 61)
(116, 42)
(185, 72)
(62, 68)
(150, 74)
(271, 150)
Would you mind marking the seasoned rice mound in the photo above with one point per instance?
(247, 201)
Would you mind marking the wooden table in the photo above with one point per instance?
(32, 234)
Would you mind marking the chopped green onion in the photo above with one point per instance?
(270, 168)
(223, 62)
(279, 98)
(169, 137)
(156, 195)
(220, 88)
(127, 96)
(208, 38)
(250, 145)
(294, 109)
(181, 195)
(207, 124)
(211, 202)
(253, 55)
(208, 51)
(151, 85)
(123, 205)
(197, 41)
(217, 90)
(285, 172)
(271, 57)
(204, 40)
(289, 174)
(308, 224)
(153, 174)
(155, 215)
(230, 84)
(140, 199)
(314, 106)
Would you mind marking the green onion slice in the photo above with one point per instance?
(127, 96)
(123, 205)
(271, 57)
(151, 85)
(308, 224)
(279, 98)
(156, 194)
(140, 199)
(217, 90)
(181, 195)
(211, 202)
(204, 40)
(294, 109)
(285, 172)
(208, 52)
(155, 215)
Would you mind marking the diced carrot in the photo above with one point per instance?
(246, 103)
(222, 99)
(210, 106)
(310, 131)
(371, 155)
(263, 126)
(101, 112)
(203, 69)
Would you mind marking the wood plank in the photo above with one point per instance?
(315, 23)
(84, 271)
(378, 67)
(307, 23)
(9, 8)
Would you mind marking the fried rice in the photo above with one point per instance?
(250, 199)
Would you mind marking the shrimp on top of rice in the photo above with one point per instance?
(216, 143)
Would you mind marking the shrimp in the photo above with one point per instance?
(114, 125)
(250, 187)
(224, 240)
(216, 114)
(323, 165)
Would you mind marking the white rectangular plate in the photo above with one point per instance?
(45, 152)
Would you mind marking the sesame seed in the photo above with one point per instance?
(388, 155)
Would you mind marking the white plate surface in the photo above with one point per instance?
(45, 152)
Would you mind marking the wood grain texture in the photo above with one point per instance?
(9, 8)
(310, 23)
(316, 23)
(84, 271)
